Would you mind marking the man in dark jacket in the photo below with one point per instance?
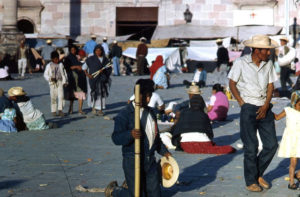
(116, 53)
(222, 63)
(141, 53)
(124, 134)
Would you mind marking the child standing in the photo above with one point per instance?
(289, 146)
(56, 75)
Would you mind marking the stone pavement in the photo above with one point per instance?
(80, 152)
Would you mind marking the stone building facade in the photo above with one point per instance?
(107, 17)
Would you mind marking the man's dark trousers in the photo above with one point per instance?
(285, 77)
(150, 183)
(254, 166)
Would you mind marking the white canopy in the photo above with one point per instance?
(188, 31)
(171, 56)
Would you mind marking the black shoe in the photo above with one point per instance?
(110, 188)
(293, 186)
(297, 178)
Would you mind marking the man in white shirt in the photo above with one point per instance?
(251, 82)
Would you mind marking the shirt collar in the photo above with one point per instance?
(248, 59)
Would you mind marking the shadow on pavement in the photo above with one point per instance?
(176, 85)
(62, 121)
(10, 184)
(201, 174)
(282, 169)
(39, 95)
(115, 105)
(227, 139)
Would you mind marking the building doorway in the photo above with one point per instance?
(25, 26)
(140, 21)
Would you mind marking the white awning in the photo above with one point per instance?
(188, 31)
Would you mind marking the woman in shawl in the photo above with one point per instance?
(193, 131)
(76, 78)
(98, 85)
(158, 73)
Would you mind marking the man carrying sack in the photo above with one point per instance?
(124, 134)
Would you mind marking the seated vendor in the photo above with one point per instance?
(217, 108)
(193, 132)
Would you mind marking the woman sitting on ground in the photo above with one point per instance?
(193, 131)
(4, 69)
(218, 105)
(158, 73)
(33, 118)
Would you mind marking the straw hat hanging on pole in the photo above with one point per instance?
(137, 144)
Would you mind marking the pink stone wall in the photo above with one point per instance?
(98, 17)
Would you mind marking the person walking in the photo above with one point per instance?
(141, 53)
(116, 53)
(46, 52)
(105, 47)
(285, 57)
(98, 85)
(90, 46)
(251, 81)
(222, 63)
(77, 87)
(22, 59)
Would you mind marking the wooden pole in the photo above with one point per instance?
(137, 144)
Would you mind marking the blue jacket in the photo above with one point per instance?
(124, 124)
(89, 47)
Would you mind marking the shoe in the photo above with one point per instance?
(293, 186)
(110, 188)
(82, 112)
(94, 111)
(54, 114)
(254, 188)
(124, 185)
(100, 113)
(61, 114)
(297, 178)
(263, 183)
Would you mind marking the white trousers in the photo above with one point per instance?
(57, 93)
(22, 63)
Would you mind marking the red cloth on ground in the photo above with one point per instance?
(159, 62)
(205, 148)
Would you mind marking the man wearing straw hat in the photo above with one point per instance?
(251, 82)
(285, 57)
(124, 134)
(90, 45)
(141, 53)
(46, 52)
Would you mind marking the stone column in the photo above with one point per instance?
(10, 37)
(10, 12)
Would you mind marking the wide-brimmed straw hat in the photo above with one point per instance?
(169, 170)
(143, 39)
(16, 91)
(115, 42)
(219, 40)
(194, 89)
(284, 38)
(49, 41)
(93, 36)
(104, 38)
(261, 41)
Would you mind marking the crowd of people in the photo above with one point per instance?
(84, 74)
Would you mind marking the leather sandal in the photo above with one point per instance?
(293, 186)
(297, 178)
(254, 188)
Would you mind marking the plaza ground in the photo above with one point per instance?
(52, 163)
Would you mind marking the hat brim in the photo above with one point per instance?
(169, 183)
(250, 44)
(10, 93)
(190, 92)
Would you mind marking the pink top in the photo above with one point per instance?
(220, 107)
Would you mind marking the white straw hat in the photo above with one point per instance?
(170, 171)
(261, 41)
